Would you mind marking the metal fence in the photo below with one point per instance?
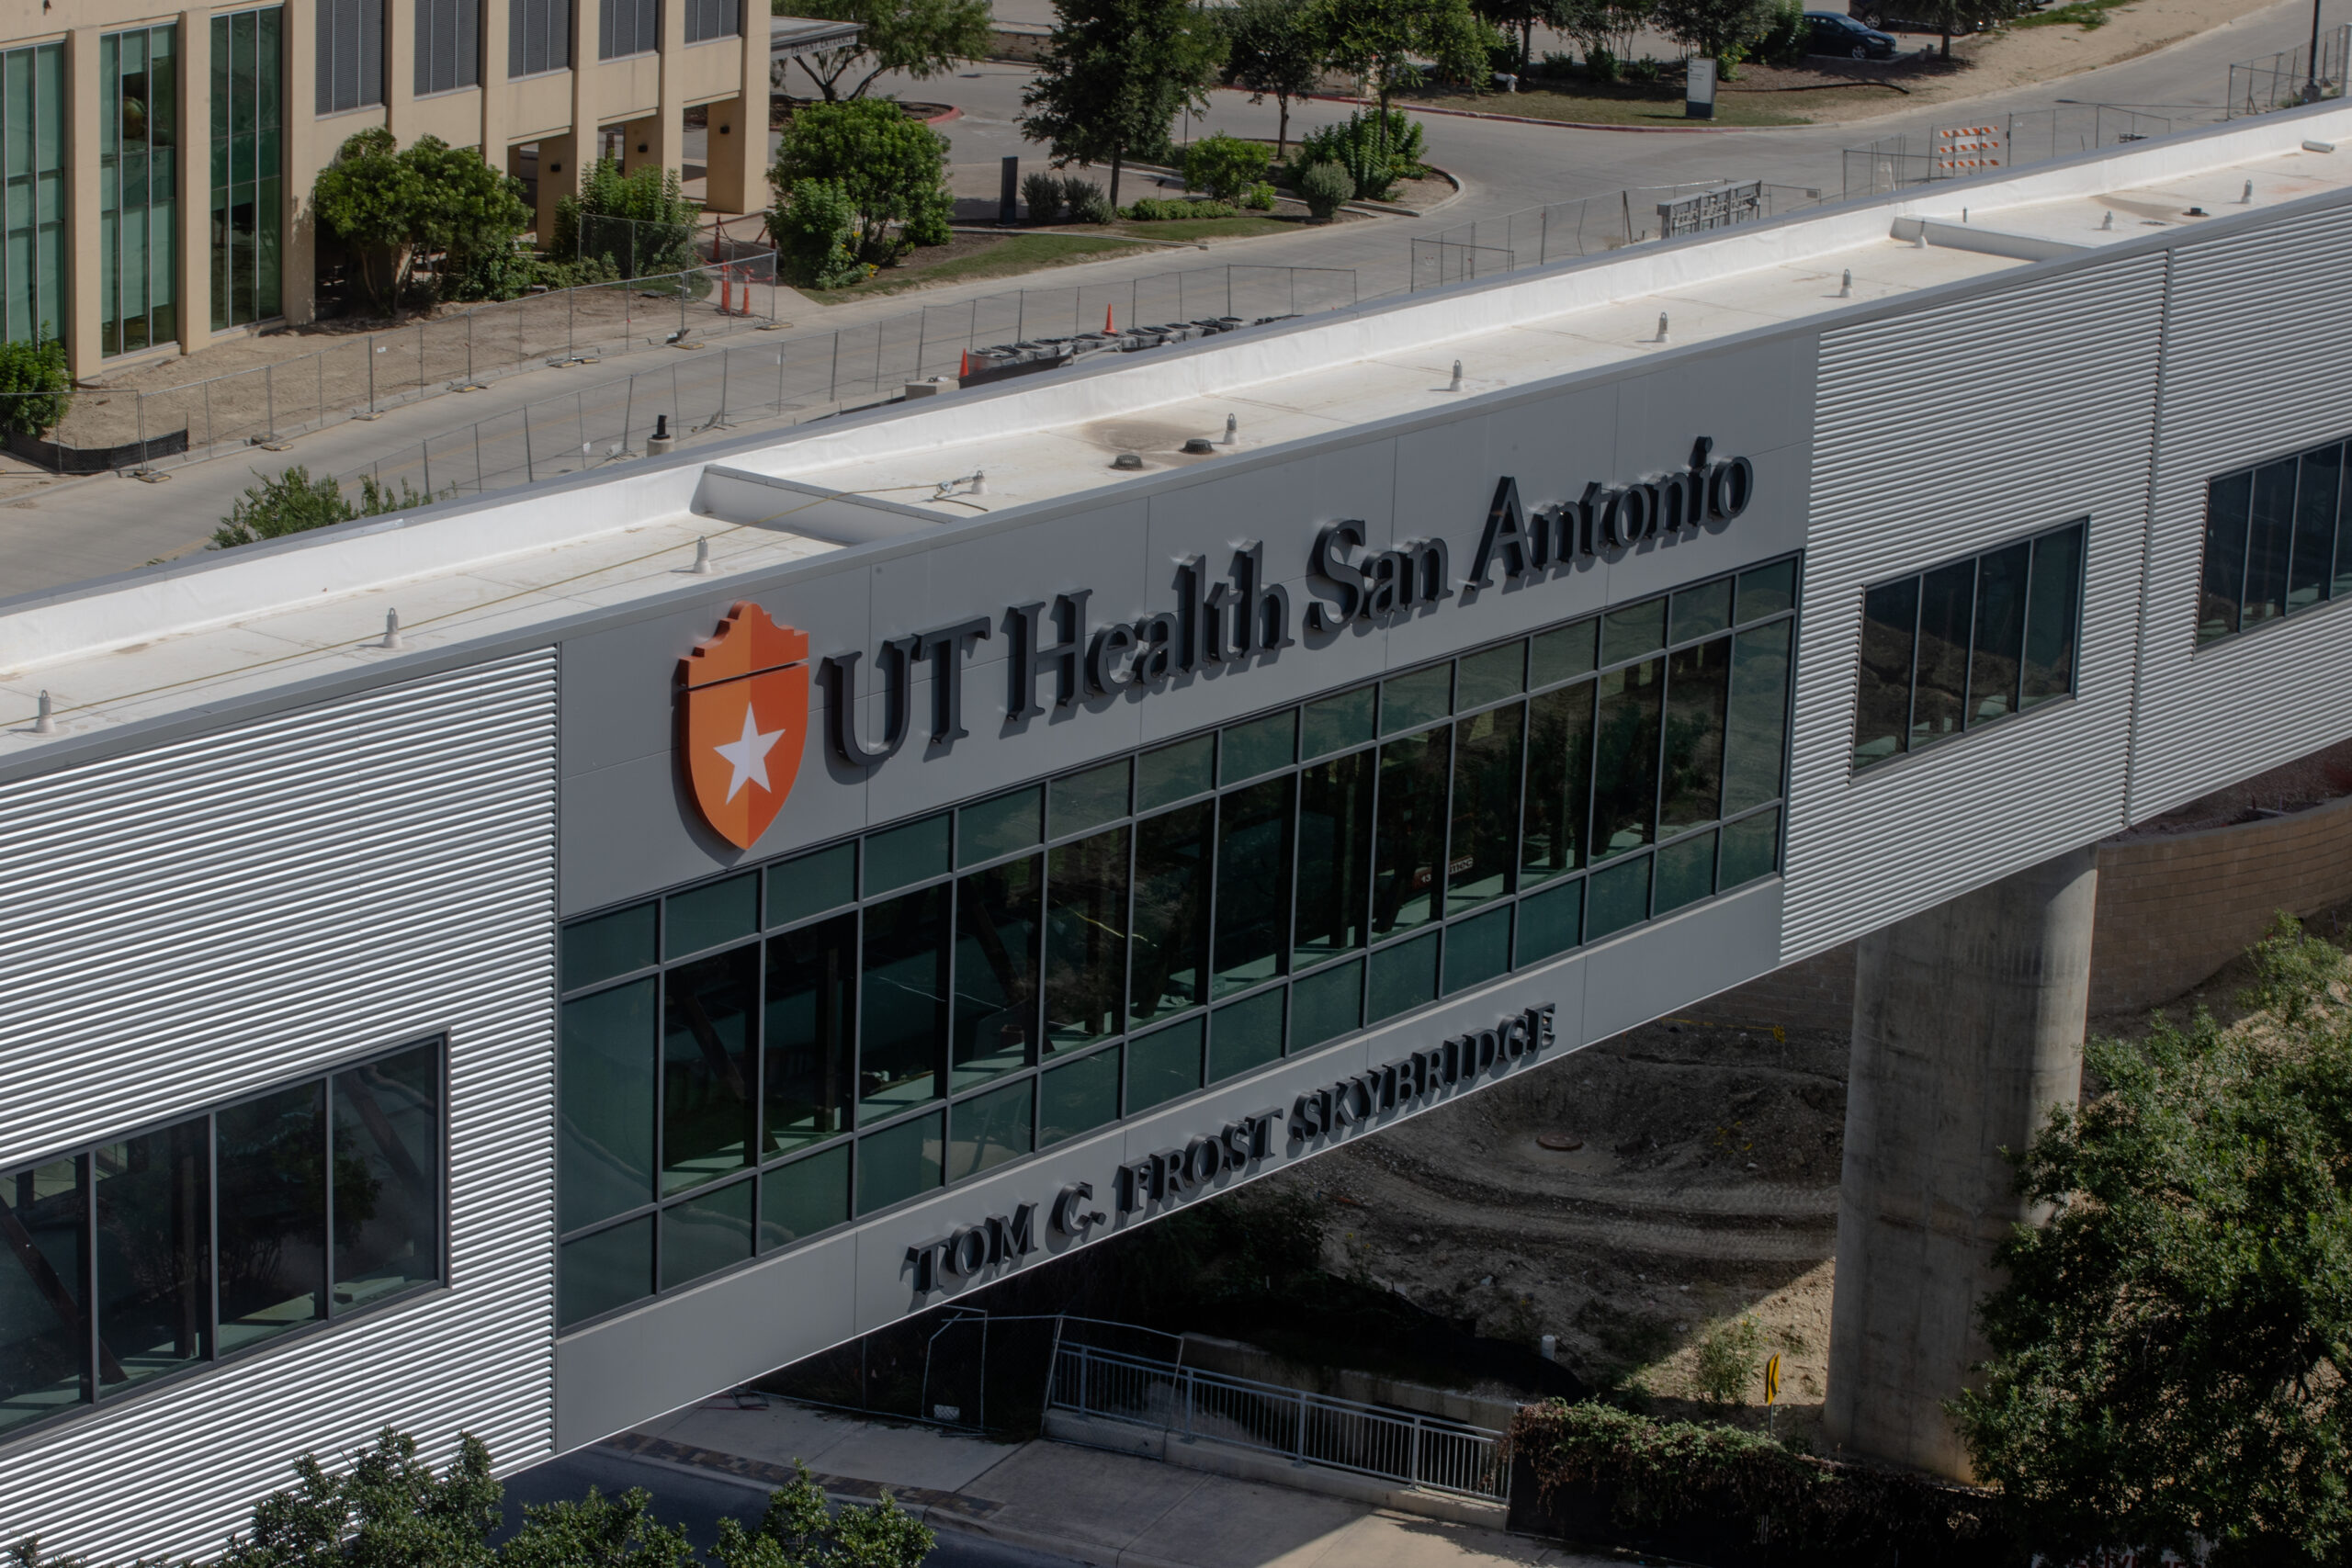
(1402, 1446)
(1997, 143)
(1533, 236)
(2281, 80)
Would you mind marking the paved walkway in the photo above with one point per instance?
(1105, 1508)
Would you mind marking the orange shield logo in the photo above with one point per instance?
(745, 718)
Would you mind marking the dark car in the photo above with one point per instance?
(1834, 34)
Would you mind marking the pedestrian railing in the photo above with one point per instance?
(1401, 1446)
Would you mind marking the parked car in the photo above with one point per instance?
(1834, 34)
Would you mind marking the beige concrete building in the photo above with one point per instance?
(155, 165)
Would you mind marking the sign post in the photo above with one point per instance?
(1698, 93)
(1772, 1393)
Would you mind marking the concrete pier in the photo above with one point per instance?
(1968, 1025)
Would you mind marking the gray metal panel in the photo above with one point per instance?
(1941, 433)
(2258, 362)
(211, 915)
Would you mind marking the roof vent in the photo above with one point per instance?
(2109, 223)
(702, 558)
(1127, 460)
(1232, 430)
(1846, 285)
(2247, 198)
(392, 630)
(1456, 385)
(45, 724)
(1200, 446)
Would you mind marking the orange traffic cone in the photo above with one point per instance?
(1107, 319)
(965, 368)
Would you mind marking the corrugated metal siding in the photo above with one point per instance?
(2257, 361)
(1939, 434)
(212, 915)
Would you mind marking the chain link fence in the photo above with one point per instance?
(2284, 80)
(1533, 236)
(1995, 144)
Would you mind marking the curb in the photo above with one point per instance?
(953, 113)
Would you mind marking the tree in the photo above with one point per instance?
(2173, 1349)
(368, 198)
(1722, 29)
(641, 222)
(1382, 39)
(598, 1532)
(392, 205)
(1515, 15)
(798, 1531)
(1273, 49)
(892, 169)
(1115, 75)
(921, 39)
(1604, 27)
(36, 388)
(469, 214)
(1949, 17)
(389, 1510)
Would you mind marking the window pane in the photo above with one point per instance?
(998, 827)
(1403, 978)
(605, 1154)
(1484, 848)
(388, 1165)
(1698, 688)
(2343, 544)
(1701, 612)
(43, 1319)
(1163, 1064)
(906, 854)
(812, 883)
(1086, 940)
(1562, 655)
(1749, 846)
(705, 1233)
(1409, 856)
(1327, 1005)
(2000, 632)
(1258, 746)
(1334, 855)
(1619, 897)
(1253, 867)
(1476, 950)
(1175, 772)
(270, 1161)
(809, 1032)
(2313, 566)
(2268, 536)
(1551, 922)
(2052, 606)
(709, 1016)
(1939, 680)
(988, 1129)
(1089, 799)
(799, 1200)
(1559, 782)
(904, 1002)
(1336, 723)
(1686, 871)
(1624, 773)
(1767, 591)
(606, 945)
(1408, 700)
(154, 1232)
(996, 970)
(1633, 630)
(1755, 733)
(1882, 689)
(1245, 1034)
(1491, 676)
(899, 1163)
(1171, 914)
(1078, 1098)
(600, 1272)
(709, 915)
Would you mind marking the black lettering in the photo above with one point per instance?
(1263, 619)
(1514, 1038)
(1168, 1174)
(1134, 1185)
(1678, 505)
(1156, 639)
(1103, 674)
(1505, 537)
(1236, 1139)
(1328, 573)
(1261, 1133)
(1380, 579)
(1489, 1047)
(924, 1261)
(1635, 517)
(1069, 1216)
(967, 1252)
(1191, 589)
(1212, 623)
(1303, 1123)
(1203, 1160)
(946, 648)
(1425, 577)
(840, 675)
(1030, 660)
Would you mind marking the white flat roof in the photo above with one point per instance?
(188, 636)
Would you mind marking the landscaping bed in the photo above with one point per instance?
(968, 256)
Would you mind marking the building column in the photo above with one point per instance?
(1968, 1025)
(195, 279)
(663, 135)
(579, 150)
(496, 98)
(84, 350)
(308, 148)
(399, 73)
(735, 142)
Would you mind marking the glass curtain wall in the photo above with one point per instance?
(32, 187)
(138, 170)
(2278, 542)
(248, 152)
(751, 1062)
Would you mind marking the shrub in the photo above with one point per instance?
(35, 389)
(1259, 197)
(1729, 1354)
(1374, 156)
(816, 231)
(1786, 42)
(893, 170)
(1224, 167)
(294, 502)
(1152, 209)
(1323, 186)
(1086, 201)
(1601, 64)
(1044, 194)
(641, 222)
(1648, 72)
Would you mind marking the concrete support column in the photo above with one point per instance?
(497, 100)
(310, 146)
(400, 73)
(195, 279)
(1968, 1025)
(562, 163)
(84, 353)
(735, 143)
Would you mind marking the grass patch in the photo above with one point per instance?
(1209, 228)
(1632, 106)
(2084, 14)
(995, 258)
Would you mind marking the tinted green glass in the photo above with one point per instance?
(1088, 799)
(1408, 856)
(1403, 978)
(998, 827)
(1171, 950)
(606, 945)
(809, 1032)
(1476, 950)
(2226, 500)
(1940, 664)
(705, 1234)
(153, 1195)
(1326, 1005)
(1334, 855)
(903, 1001)
(1259, 747)
(995, 1020)
(1490, 676)
(1767, 591)
(812, 883)
(1078, 1098)
(1698, 692)
(1549, 922)
(1699, 612)
(1336, 723)
(1686, 871)
(270, 1170)
(600, 1272)
(1618, 896)
(2053, 601)
(1415, 699)
(605, 1126)
(1175, 772)
(1559, 782)
(1253, 869)
(1163, 1064)
(1631, 630)
(900, 1162)
(1755, 733)
(709, 915)
(709, 1021)
(1245, 1034)
(987, 1130)
(1562, 655)
(1086, 940)
(1750, 846)
(1883, 693)
(796, 1200)
(1624, 772)
(1999, 651)
(40, 1341)
(1483, 847)
(900, 855)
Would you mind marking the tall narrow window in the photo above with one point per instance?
(1172, 929)
(43, 1315)
(1253, 866)
(32, 199)
(713, 19)
(387, 1119)
(248, 184)
(138, 188)
(538, 36)
(709, 1035)
(627, 27)
(448, 45)
(155, 1214)
(1334, 856)
(1086, 941)
(811, 1027)
(270, 1159)
(996, 968)
(350, 54)
(904, 1009)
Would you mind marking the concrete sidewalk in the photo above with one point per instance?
(1098, 1508)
